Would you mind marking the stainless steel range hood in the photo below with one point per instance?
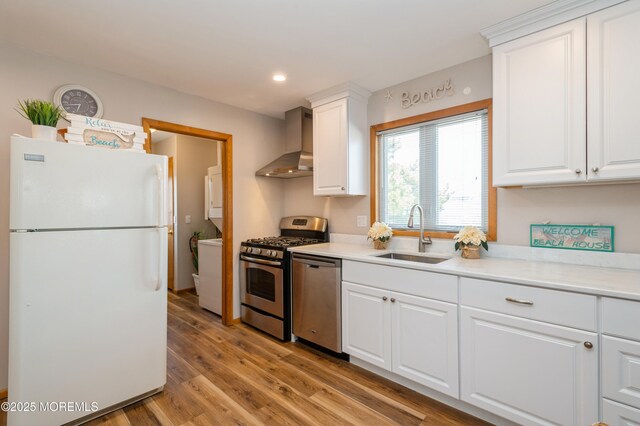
(298, 161)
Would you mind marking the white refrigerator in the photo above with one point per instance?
(88, 278)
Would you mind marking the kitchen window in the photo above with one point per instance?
(440, 160)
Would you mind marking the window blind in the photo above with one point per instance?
(441, 165)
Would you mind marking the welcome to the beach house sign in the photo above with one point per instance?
(573, 237)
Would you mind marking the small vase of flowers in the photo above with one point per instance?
(469, 240)
(380, 233)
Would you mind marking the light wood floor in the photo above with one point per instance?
(236, 375)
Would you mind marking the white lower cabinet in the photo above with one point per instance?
(366, 324)
(614, 414)
(424, 341)
(530, 372)
(415, 337)
(620, 362)
(621, 370)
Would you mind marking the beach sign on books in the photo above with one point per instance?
(573, 237)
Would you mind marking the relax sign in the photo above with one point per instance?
(573, 237)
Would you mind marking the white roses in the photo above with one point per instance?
(379, 231)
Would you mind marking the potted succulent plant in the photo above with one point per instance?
(469, 240)
(44, 117)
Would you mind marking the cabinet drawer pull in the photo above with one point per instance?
(518, 301)
(393, 300)
(588, 345)
(384, 298)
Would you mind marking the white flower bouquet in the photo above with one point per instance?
(469, 239)
(380, 233)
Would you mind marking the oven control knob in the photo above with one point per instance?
(257, 250)
(243, 249)
(249, 249)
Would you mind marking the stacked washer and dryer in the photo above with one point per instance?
(210, 251)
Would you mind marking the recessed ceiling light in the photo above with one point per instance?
(279, 77)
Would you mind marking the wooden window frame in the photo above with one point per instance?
(492, 233)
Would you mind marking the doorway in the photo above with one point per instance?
(226, 150)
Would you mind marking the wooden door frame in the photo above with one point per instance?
(227, 199)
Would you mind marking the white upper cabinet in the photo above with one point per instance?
(565, 101)
(613, 69)
(330, 152)
(340, 141)
(539, 100)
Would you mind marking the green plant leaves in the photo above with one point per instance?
(40, 112)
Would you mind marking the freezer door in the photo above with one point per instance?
(61, 186)
(88, 319)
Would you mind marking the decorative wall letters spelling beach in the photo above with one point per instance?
(409, 99)
(573, 237)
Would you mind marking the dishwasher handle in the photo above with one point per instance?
(317, 262)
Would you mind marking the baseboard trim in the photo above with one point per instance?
(236, 321)
(433, 394)
(4, 393)
(182, 290)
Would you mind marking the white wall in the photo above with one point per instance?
(342, 212)
(257, 139)
(617, 205)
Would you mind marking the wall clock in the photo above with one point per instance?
(76, 99)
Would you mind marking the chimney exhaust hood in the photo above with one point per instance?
(298, 161)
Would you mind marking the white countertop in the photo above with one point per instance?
(601, 281)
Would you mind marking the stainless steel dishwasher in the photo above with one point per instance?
(316, 295)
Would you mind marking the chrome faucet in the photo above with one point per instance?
(421, 240)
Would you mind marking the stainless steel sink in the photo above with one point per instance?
(412, 258)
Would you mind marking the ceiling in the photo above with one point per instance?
(228, 50)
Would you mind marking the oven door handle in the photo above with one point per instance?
(261, 261)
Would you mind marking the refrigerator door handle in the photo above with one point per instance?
(161, 253)
(161, 194)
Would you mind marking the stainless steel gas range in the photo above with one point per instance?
(265, 278)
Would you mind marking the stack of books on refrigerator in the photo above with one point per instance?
(101, 133)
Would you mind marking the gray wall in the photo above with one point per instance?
(617, 205)
(194, 156)
(257, 139)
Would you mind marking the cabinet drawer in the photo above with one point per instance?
(621, 370)
(556, 307)
(621, 318)
(615, 414)
(418, 283)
